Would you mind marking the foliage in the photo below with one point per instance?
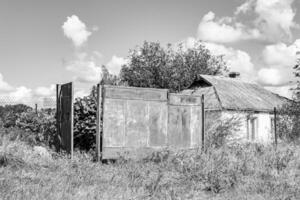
(42, 125)
(288, 123)
(245, 171)
(289, 114)
(85, 111)
(9, 114)
(174, 68)
(220, 131)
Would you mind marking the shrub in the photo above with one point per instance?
(218, 130)
(85, 111)
(41, 124)
(9, 114)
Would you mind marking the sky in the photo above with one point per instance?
(43, 43)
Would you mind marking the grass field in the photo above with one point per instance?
(240, 172)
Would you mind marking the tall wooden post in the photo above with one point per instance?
(202, 121)
(99, 127)
(64, 117)
(275, 125)
(58, 118)
(36, 108)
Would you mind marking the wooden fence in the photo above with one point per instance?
(142, 119)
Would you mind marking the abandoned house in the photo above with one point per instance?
(253, 105)
(147, 118)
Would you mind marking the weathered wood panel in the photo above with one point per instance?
(158, 124)
(114, 123)
(64, 116)
(132, 93)
(176, 99)
(179, 133)
(140, 119)
(136, 124)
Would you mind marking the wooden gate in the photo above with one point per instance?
(64, 116)
(143, 119)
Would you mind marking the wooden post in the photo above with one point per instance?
(72, 120)
(64, 117)
(99, 127)
(58, 117)
(275, 125)
(202, 121)
(36, 108)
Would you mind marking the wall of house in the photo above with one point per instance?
(264, 129)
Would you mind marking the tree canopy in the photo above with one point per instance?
(173, 67)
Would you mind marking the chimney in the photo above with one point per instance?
(234, 74)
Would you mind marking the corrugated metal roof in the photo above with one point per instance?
(235, 94)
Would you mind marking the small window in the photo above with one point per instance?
(252, 127)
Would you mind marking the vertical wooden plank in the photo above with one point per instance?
(202, 122)
(72, 120)
(64, 116)
(99, 127)
(275, 122)
(58, 117)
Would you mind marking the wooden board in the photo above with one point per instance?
(64, 117)
(136, 120)
(132, 93)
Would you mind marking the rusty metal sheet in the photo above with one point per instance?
(114, 123)
(179, 99)
(179, 134)
(136, 123)
(158, 123)
(135, 93)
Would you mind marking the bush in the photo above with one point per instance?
(219, 130)
(9, 114)
(85, 111)
(288, 123)
(41, 124)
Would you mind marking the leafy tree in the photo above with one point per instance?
(289, 120)
(173, 67)
(85, 111)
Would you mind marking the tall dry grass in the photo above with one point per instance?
(246, 171)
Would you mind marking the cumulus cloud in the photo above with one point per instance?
(76, 30)
(275, 18)
(224, 30)
(284, 91)
(84, 68)
(21, 94)
(279, 60)
(237, 60)
(45, 91)
(4, 86)
(80, 93)
(115, 64)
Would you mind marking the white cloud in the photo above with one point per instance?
(115, 64)
(237, 60)
(81, 93)
(4, 86)
(21, 94)
(45, 91)
(76, 30)
(84, 68)
(284, 91)
(279, 60)
(275, 18)
(224, 30)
